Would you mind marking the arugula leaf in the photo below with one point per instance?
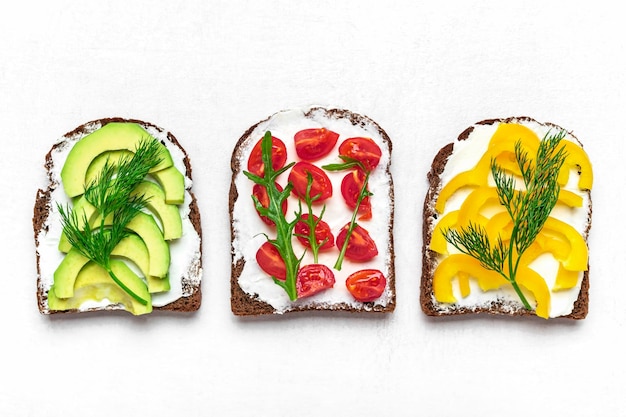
(350, 163)
(284, 229)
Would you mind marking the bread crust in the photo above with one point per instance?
(429, 258)
(244, 304)
(192, 291)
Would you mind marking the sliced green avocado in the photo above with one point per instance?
(159, 251)
(173, 183)
(66, 273)
(95, 167)
(113, 136)
(135, 250)
(168, 214)
(93, 283)
(148, 230)
(131, 248)
(170, 179)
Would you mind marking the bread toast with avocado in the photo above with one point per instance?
(117, 226)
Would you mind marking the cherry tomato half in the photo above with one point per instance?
(321, 183)
(260, 192)
(361, 247)
(364, 150)
(314, 278)
(322, 231)
(313, 144)
(271, 262)
(351, 186)
(279, 157)
(366, 285)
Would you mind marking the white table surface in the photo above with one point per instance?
(206, 71)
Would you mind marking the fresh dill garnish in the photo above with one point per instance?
(350, 163)
(529, 208)
(111, 193)
(284, 229)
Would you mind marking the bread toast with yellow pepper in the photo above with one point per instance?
(506, 222)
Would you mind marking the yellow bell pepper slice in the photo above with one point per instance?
(533, 282)
(450, 267)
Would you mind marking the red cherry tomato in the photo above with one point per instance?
(364, 150)
(366, 285)
(260, 192)
(313, 144)
(321, 183)
(271, 262)
(314, 278)
(322, 231)
(351, 186)
(361, 247)
(279, 157)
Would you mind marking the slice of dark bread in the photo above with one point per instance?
(46, 224)
(250, 286)
(498, 304)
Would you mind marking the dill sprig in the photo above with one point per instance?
(529, 209)
(350, 163)
(284, 229)
(111, 194)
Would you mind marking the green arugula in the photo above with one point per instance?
(350, 163)
(310, 221)
(529, 209)
(284, 229)
(111, 194)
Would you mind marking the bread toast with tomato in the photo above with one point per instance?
(311, 209)
(506, 221)
(153, 258)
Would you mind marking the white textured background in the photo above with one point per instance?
(206, 71)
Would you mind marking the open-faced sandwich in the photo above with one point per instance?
(506, 221)
(311, 209)
(117, 226)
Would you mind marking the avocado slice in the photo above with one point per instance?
(93, 283)
(168, 214)
(171, 180)
(113, 136)
(67, 271)
(131, 248)
(173, 183)
(136, 251)
(142, 224)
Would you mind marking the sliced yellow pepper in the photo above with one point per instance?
(450, 267)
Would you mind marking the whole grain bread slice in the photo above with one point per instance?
(190, 281)
(249, 303)
(430, 306)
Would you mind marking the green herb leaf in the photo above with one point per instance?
(284, 229)
(310, 221)
(350, 163)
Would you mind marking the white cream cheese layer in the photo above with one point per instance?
(464, 157)
(249, 230)
(184, 252)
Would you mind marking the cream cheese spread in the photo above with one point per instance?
(249, 230)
